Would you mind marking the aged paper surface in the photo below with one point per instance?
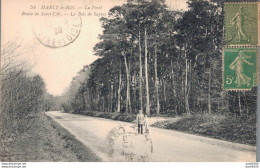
(128, 80)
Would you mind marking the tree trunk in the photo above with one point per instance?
(209, 96)
(104, 110)
(141, 73)
(164, 95)
(111, 97)
(246, 104)
(119, 91)
(156, 81)
(186, 85)
(146, 74)
(130, 82)
(128, 101)
(239, 104)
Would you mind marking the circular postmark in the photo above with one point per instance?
(124, 144)
(56, 32)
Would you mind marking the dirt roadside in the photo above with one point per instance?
(45, 140)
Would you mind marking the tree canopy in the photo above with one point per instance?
(162, 61)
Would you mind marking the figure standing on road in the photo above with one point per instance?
(140, 121)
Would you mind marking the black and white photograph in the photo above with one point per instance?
(128, 81)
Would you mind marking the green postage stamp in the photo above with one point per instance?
(240, 68)
(241, 23)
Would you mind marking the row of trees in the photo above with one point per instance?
(22, 94)
(66, 102)
(162, 61)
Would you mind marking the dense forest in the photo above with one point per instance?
(159, 60)
(21, 92)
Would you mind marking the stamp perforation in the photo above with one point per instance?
(241, 46)
(255, 2)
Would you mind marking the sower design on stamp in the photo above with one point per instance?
(240, 68)
(241, 24)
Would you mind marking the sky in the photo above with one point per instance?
(57, 66)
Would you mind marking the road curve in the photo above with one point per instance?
(168, 145)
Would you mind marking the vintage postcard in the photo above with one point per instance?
(128, 81)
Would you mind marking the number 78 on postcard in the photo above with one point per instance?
(240, 68)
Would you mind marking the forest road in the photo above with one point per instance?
(167, 145)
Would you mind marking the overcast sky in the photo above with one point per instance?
(58, 66)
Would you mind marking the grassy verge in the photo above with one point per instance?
(45, 140)
(229, 128)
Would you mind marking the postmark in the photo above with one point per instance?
(240, 68)
(124, 144)
(57, 32)
(241, 23)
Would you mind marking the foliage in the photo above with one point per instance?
(22, 98)
(162, 61)
(22, 93)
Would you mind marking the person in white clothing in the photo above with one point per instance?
(140, 121)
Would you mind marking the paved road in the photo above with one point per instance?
(167, 145)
